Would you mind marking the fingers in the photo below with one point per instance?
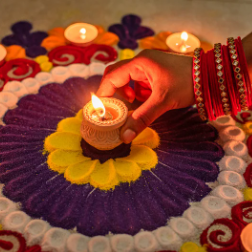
(141, 118)
(119, 75)
(115, 76)
(127, 93)
(142, 92)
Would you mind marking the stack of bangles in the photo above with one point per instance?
(221, 80)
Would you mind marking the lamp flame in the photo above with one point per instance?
(83, 33)
(184, 36)
(98, 105)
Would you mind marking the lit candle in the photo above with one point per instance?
(3, 53)
(182, 42)
(81, 34)
(102, 121)
(246, 238)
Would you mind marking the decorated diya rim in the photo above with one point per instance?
(119, 108)
(178, 229)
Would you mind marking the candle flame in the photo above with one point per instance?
(83, 33)
(98, 105)
(184, 36)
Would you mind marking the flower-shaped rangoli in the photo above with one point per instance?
(66, 157)
(130, 31)
(140, 191)
(22, 37)
(56, 38)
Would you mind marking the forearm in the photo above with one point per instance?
(247, 45)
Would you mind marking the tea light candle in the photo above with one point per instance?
(246, 238)
(102, 120)
(182, 42)
(3, 53)
(81, 34)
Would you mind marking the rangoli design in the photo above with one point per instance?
(181, 185)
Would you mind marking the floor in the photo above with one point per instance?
(211, 20)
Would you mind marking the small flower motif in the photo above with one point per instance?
(15, 52)
(126, 54)
(192, 247)
(248, 194)
(105, 38)
(55, 39)
(22, 37)
(186, 160)
(66, 157)
(247, 127)
(157, 42)
(44, 63)
(130, 31)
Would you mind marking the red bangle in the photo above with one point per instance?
(237, 75)
(244, 69)
(197, 82)
(220, 73)
(216, 95)
(206, 89)
(229, 79)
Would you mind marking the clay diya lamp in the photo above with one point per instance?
(102, 121)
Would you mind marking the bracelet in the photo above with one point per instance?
(197, 76)
(230, 83)
(220, 73)
(216, 95)
(206, 89)
(237, 75)
(221, 80)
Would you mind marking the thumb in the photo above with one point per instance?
(141, 118)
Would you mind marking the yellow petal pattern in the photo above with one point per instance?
(144, 156)
(247, 127)
(126, 54)
(127, 170)
(46, 66)
(66, 157)
(41, 59)
(79, 173)
(59, 160)
(70, 124)
(248, 193)
(148, 137)
(104, 176)
(79, 115)
(64, 141)
(192, 247)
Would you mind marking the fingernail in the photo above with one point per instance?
(128, 135)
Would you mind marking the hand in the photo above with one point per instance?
(169, 76)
